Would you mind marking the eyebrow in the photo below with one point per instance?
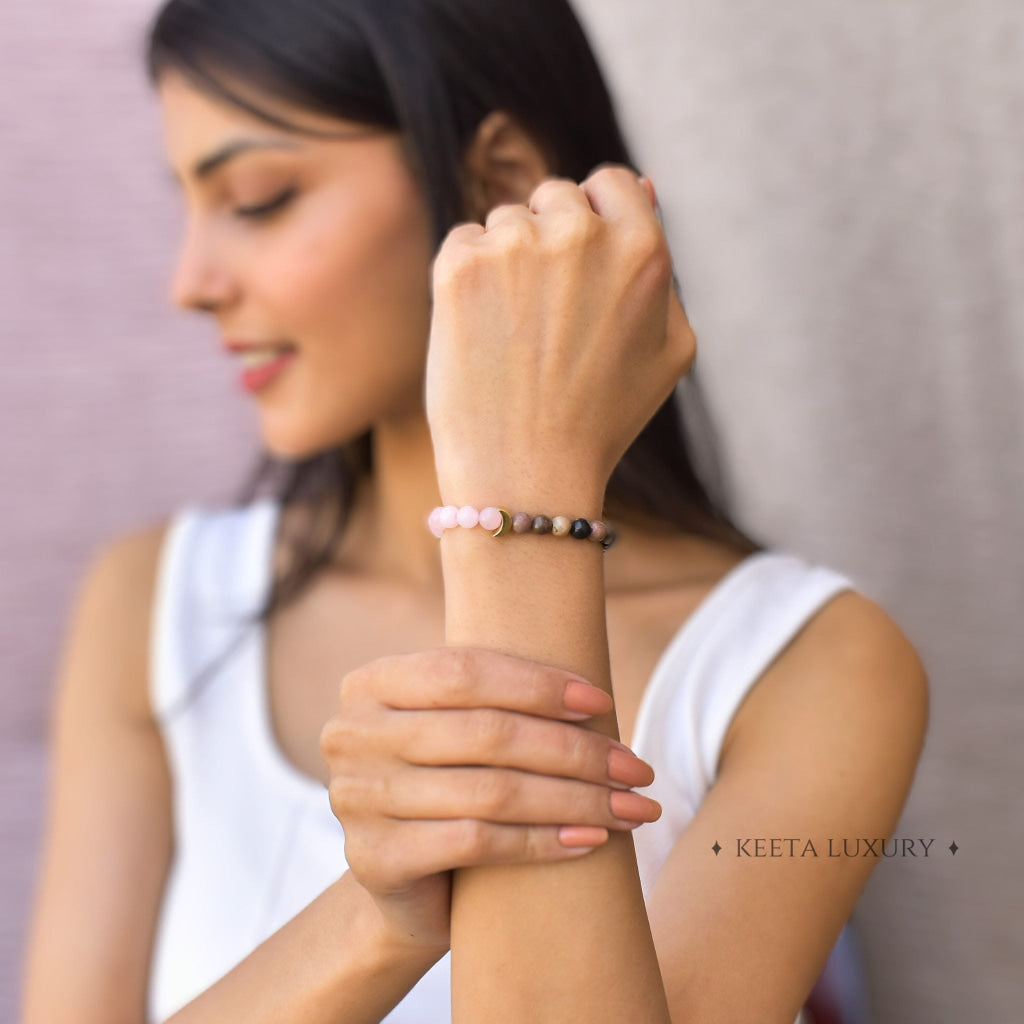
(208, 164)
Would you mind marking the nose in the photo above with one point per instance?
(202, 280)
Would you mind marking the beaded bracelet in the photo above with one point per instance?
(501, 521)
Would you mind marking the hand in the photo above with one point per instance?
(457, 757)
(555, 337)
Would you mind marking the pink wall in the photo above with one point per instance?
(112, 408)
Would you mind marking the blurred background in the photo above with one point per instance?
(843, 186)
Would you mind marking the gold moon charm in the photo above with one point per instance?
(506, 523)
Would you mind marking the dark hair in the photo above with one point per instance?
(431, 70)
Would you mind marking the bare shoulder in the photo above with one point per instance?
(110, 621)
(850, 676)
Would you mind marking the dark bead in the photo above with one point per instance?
(580, 529)
(541, 524)
(610, 539)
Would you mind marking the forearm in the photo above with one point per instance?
(552, 942)
(333, 963)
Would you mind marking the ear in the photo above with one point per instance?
(502, 164)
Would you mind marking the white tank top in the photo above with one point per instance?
(255, 838)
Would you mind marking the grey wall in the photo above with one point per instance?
(844, 189)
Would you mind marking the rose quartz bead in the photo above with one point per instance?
(434, 522)
(468, 516)
(449, 517)
(490, 518)
(598, 531)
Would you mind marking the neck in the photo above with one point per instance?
(387, 536)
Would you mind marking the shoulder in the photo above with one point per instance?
(107, 643)
(129, 560)
(849, 679)
(122, 571)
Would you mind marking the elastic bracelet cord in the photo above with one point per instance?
(502, 522)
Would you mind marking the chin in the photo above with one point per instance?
(298, 442)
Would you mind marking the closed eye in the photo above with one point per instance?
(265, 209)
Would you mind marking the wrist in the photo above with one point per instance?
(390, 943)
(536, 493)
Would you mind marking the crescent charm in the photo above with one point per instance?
(506, 523)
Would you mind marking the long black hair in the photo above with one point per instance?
(431, 70)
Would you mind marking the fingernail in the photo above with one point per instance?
(625, 766)
(633, 806)
(582, 835)
(586, 699)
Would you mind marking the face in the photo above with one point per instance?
(336, 265)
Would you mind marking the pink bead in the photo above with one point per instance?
(468, 516)
(490, 518)
(434, 522)
(449, 517)
(598, 530)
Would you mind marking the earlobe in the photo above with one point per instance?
(503, 164)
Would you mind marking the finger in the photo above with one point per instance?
(615, 193)
(415, 849)
(648, 187)
(556, 193)
(511, 797)
(457, 244)
(463, 234)
(475, 677)
(506, 739)
(517, 215)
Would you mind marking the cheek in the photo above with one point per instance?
(359, 268)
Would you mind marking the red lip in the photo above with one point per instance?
(259, 377)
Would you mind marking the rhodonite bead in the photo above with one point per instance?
(580, 529)
(561, 525)
(598, 530)
(541, 524)
(522, 522)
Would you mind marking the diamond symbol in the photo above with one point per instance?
(716, 848)
(953, 847)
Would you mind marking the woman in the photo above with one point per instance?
(395, 219)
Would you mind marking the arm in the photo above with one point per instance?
(108, 837)
(548, 942)
(555, 336)
(335, 962)
(825, 745)
(109, 845)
